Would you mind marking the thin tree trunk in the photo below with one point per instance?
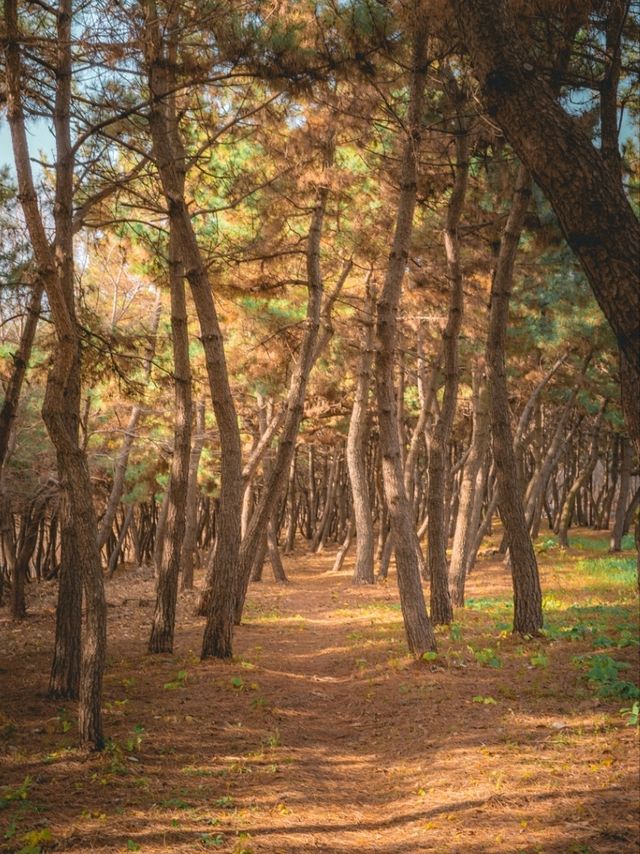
(189, 543)
(356, 450)
(418, 629)
(163, 626)
(437, 526)
(615, 544)
(527, 595)
(469, 499)
(169, 156)
(578, 484)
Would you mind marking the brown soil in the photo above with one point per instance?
(322, 735)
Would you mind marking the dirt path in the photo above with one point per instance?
(322, 735)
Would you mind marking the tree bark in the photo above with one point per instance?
(584, 190)
(615, 544)
(527, 595)
(170, 158)
(418, 629)
(437, 527)
(189, 543)
(61, 407)
(163, 626)
(469, 499)
(356, 450)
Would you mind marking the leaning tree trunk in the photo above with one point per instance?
(524, 568)
(356, 451)
(164, 618)
(120, 470)
(585, 192)
(419, 632)
(437, 527)
(170, 158)
(277, 477)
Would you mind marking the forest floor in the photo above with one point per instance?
(322, 735)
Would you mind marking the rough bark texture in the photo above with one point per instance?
(419, 632)
(61, 407)
(170, 160)
(437, 527)
(524, 569)
(164, 618)
(582, 186)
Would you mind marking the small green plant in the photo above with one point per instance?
(633, 714)
(273, 738)
(539, 660)
(237, 682)
(176, 683)
(19, 793)
(132, 845)
(486, 701)
(226, 802)
(35, 841)
(63, 717)
(211, 840)
(455, 631)
(429, 656)
(603, 673)
(134, 741)
(486, 656)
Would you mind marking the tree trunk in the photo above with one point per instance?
(163, 626)
(585, 192)
(524, 569)
(419, 632)
(464, 533)
(189, 543)
(615, 544)
(169, 157)
(356, 450)
(437, 525)
(61, 407)
(578, 484)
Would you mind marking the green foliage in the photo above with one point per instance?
(176, 683)
(486, 657)
(603, 673)
(19, 793)
(633, 714)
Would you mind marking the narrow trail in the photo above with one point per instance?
(322, 735)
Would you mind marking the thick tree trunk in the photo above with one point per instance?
(419, 632)
(583, 188)
(524, 569)
(163, 626)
